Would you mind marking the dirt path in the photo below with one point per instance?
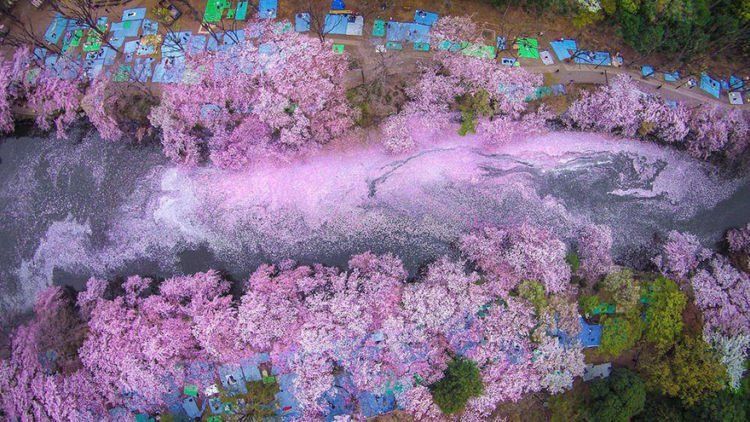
(363, 50)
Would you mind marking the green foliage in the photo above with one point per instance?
(588, 304)
(619, 333)
(689, 371)
(533, 291)
(566, 407)
(617, 398)
(572, 259)
(460, 382)
(622, 288)
(585, 18)
(723, 406)
(662, 409)
(471, 106)
(685, 27)
(664, 313)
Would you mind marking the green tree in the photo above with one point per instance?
(460, 382)
(723, 406)
(622, 287)
(664, 312)
(689, 371)
(588, 303)
(662, 409)
(619, 333)
(617, 398)
(533, 291)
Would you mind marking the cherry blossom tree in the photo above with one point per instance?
(118, 108)
(455, 29)
(739, 240)
(680, 255)
(723, 294)
(277, 93)
(512, 254)
(595, 252)
(715, 129)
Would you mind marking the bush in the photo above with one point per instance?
(460, 382)
(664, 313)
(618, 398)
(619, 334)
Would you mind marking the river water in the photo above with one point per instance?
(72, 210)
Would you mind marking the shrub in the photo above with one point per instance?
(460, 383)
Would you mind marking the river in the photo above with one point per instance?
(72, 210)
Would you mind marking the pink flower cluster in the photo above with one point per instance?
(279, 92)
(510, 255)
(133, 350)
(622, 108)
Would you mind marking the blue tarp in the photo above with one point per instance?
(338, 5)
(149, 27)
(232, 379)
(234, 37)
(143, 69)
(134, 14)
(407, 31)
(425, 18)
(175, 44)
(507, 61)
(55, 29)
(302, 22)
(596, 58)
(335, 24)
(671, 76)
(126, 28)
(501, 43)
(169, 70)
(190, 407)
(373, 405)
(591, 335)
(197, 44)
(647, 71)
(735, 83)
(710, 85)
(564, 49)
(288, 406)
(130, 47)
(268, 9)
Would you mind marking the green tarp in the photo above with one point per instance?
(391, 45)
(94, 39)
(123, 73)
(528, 48)
(338, 48)
(479, 51)
(422, 46)
(378, 28)
(190, 390)
(215, 10)
(604, 308)
(241, 13)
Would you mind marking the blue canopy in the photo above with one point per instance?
(564, 49)
(710, 85)
(591, 334)
(425, 18)
(302, 22)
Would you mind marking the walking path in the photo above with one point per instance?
(405, 62)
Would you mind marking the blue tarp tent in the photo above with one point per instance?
(190, 406)
(647, 71)
(338, 5)
(288, 406)
(55, 29)
(671, 76)
(302, 22)
(232, 379)
(373, 405)
(134, 14)
(710, 85)
(335, 24)
(735, 83)
(591, 335)
(268, 9)
(596, 58)
(564, 49)
(425, 18)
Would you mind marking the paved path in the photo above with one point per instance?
(363, 49)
